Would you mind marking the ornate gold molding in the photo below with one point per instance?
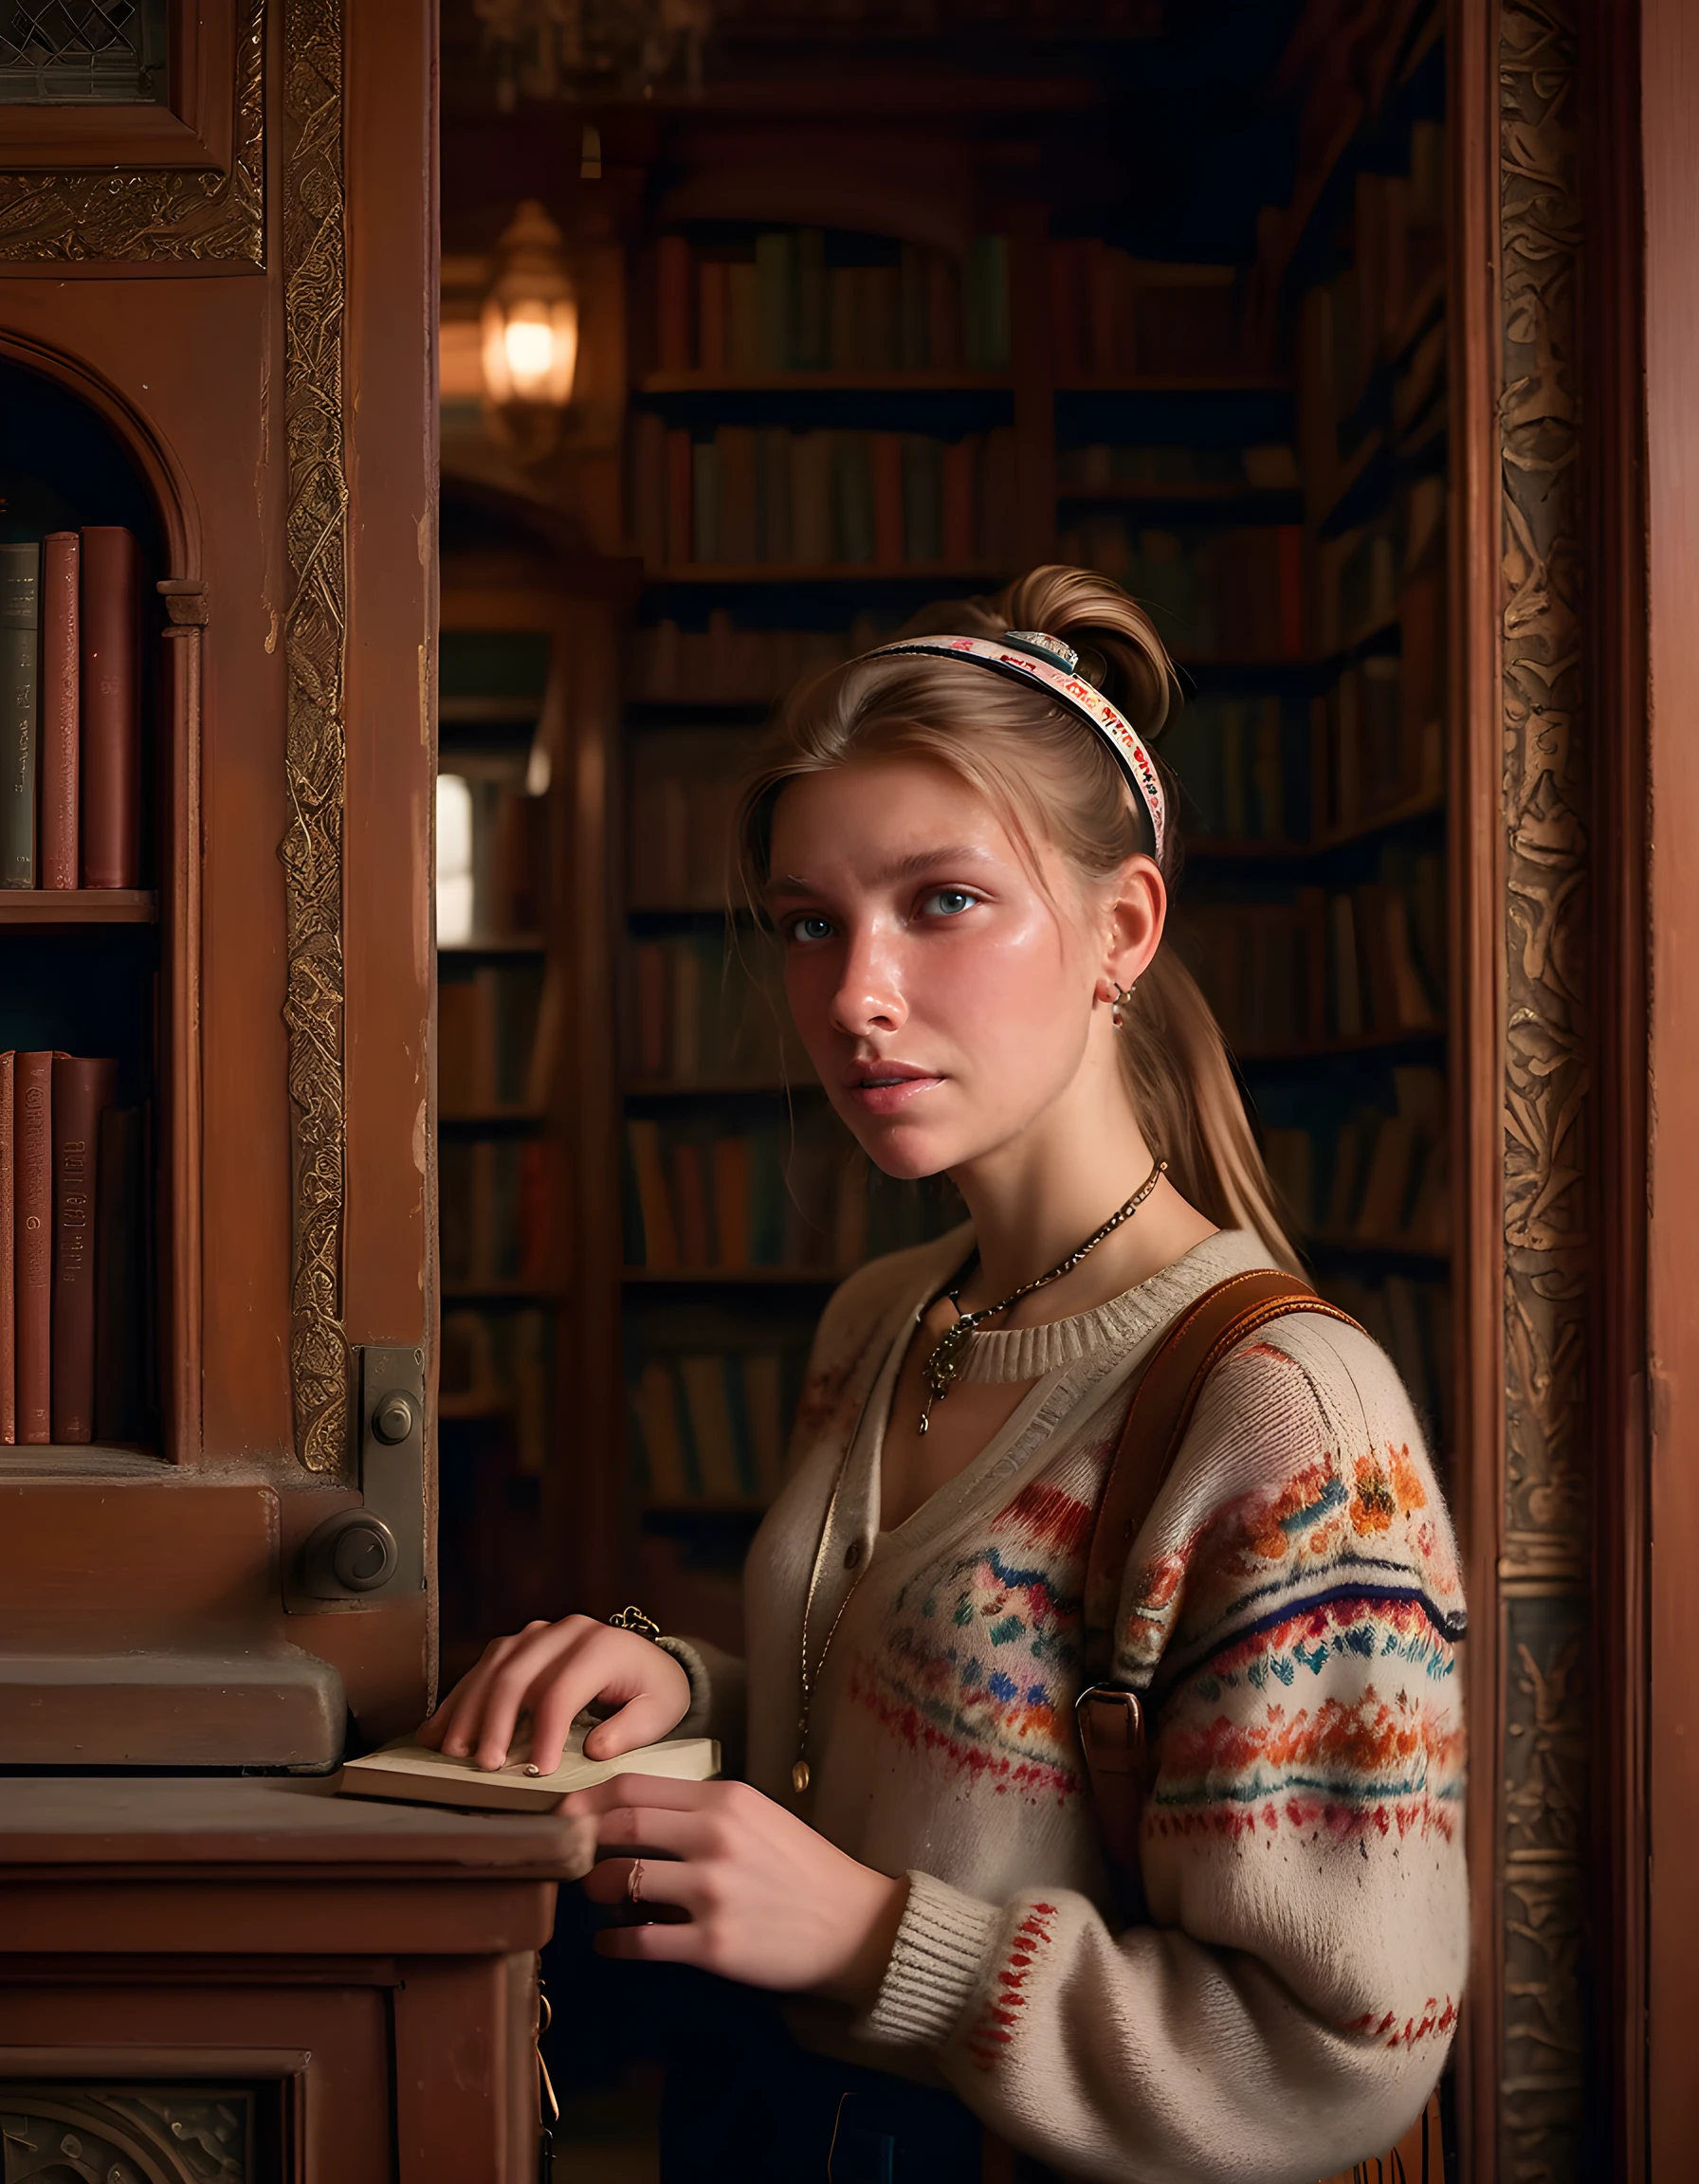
(158, 214)
(1547, 1107)
(315, 635)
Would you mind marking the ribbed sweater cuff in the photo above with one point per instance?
(942, 1949)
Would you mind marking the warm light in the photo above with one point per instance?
(530, 317)
(453, 860)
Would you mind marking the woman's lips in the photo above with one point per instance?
(883, 1088)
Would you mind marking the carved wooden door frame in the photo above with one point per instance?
(1576, 810)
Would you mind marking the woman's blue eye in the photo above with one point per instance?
(810, 928)
(951, 901)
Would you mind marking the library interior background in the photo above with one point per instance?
(485, 414)
(900, 304)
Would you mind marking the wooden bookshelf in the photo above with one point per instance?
(62, 910)
(846, 573)
(524, 1265)
(733, 1277)
(836, 384)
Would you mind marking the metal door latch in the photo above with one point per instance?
(376, 1551)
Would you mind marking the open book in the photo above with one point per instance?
(417, 1775)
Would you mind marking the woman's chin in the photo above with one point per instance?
(905, 1154)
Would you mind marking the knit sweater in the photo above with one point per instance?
(1291, 1608)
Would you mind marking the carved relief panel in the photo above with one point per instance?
(126, 2135)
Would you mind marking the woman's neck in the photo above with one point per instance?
(1036, 1199)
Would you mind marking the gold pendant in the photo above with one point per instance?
(799, 1776)
(944, 1365)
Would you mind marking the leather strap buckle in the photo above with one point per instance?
(1111, 1725)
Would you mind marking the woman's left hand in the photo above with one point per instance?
(768, 1901)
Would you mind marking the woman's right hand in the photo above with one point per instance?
(551, 1671)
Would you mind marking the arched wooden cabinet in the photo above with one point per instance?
(244, 378)
(217, 328)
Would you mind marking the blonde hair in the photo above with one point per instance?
(1048, 775)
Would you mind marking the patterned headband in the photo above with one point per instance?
(1031, 657)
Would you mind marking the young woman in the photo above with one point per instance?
(967, 854)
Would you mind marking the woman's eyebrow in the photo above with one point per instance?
(790, 884)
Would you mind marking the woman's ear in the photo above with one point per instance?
(1137, 913)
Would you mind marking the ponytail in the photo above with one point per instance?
(1179, 1077)
(1048, 775)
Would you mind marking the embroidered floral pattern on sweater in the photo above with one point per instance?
(1293, 1611)
(994, 2026)
(1366, 1523)
(982, 1662)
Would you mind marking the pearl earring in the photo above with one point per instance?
(1120, 1001)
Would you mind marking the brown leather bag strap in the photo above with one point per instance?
(1210, 1328)
(1111, 1719)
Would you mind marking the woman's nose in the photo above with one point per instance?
(869, 996)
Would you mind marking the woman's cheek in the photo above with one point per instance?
(809, 986)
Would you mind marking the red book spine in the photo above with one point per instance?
(111, 709)
(80, 1089)
(60, 676)
(9, 1387)
(888, 500)
(32, 1215)
(674, 268)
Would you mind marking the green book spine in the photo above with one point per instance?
(730, 1365)
(19, 641)
(923, 498)
(773, 472)
(695, 1486)
(985, 304)
(813, 331)
(776, 271)
(854, 482)
(766, 1198)
(914, 324)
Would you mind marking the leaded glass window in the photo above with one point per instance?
(82, 52)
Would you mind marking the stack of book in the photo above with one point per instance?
(1366, 574)
(1114, 317)
(1236, 764)
(495, 1199)
(1387, 966)
(682, 806)
(71, 710)
(1099, 467)
(1361, 962)
(73, 1271)
(724, 663)
(1374, 1179)
(767, 497)
(797, 300)
(1379, 731)
(488, 1050)
(1226, 594)
(702, 1199)
(797, 1194)
(1376, 307)
(711, 1425)
(499, 1365)
(1261, 966)
(707, 1012)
